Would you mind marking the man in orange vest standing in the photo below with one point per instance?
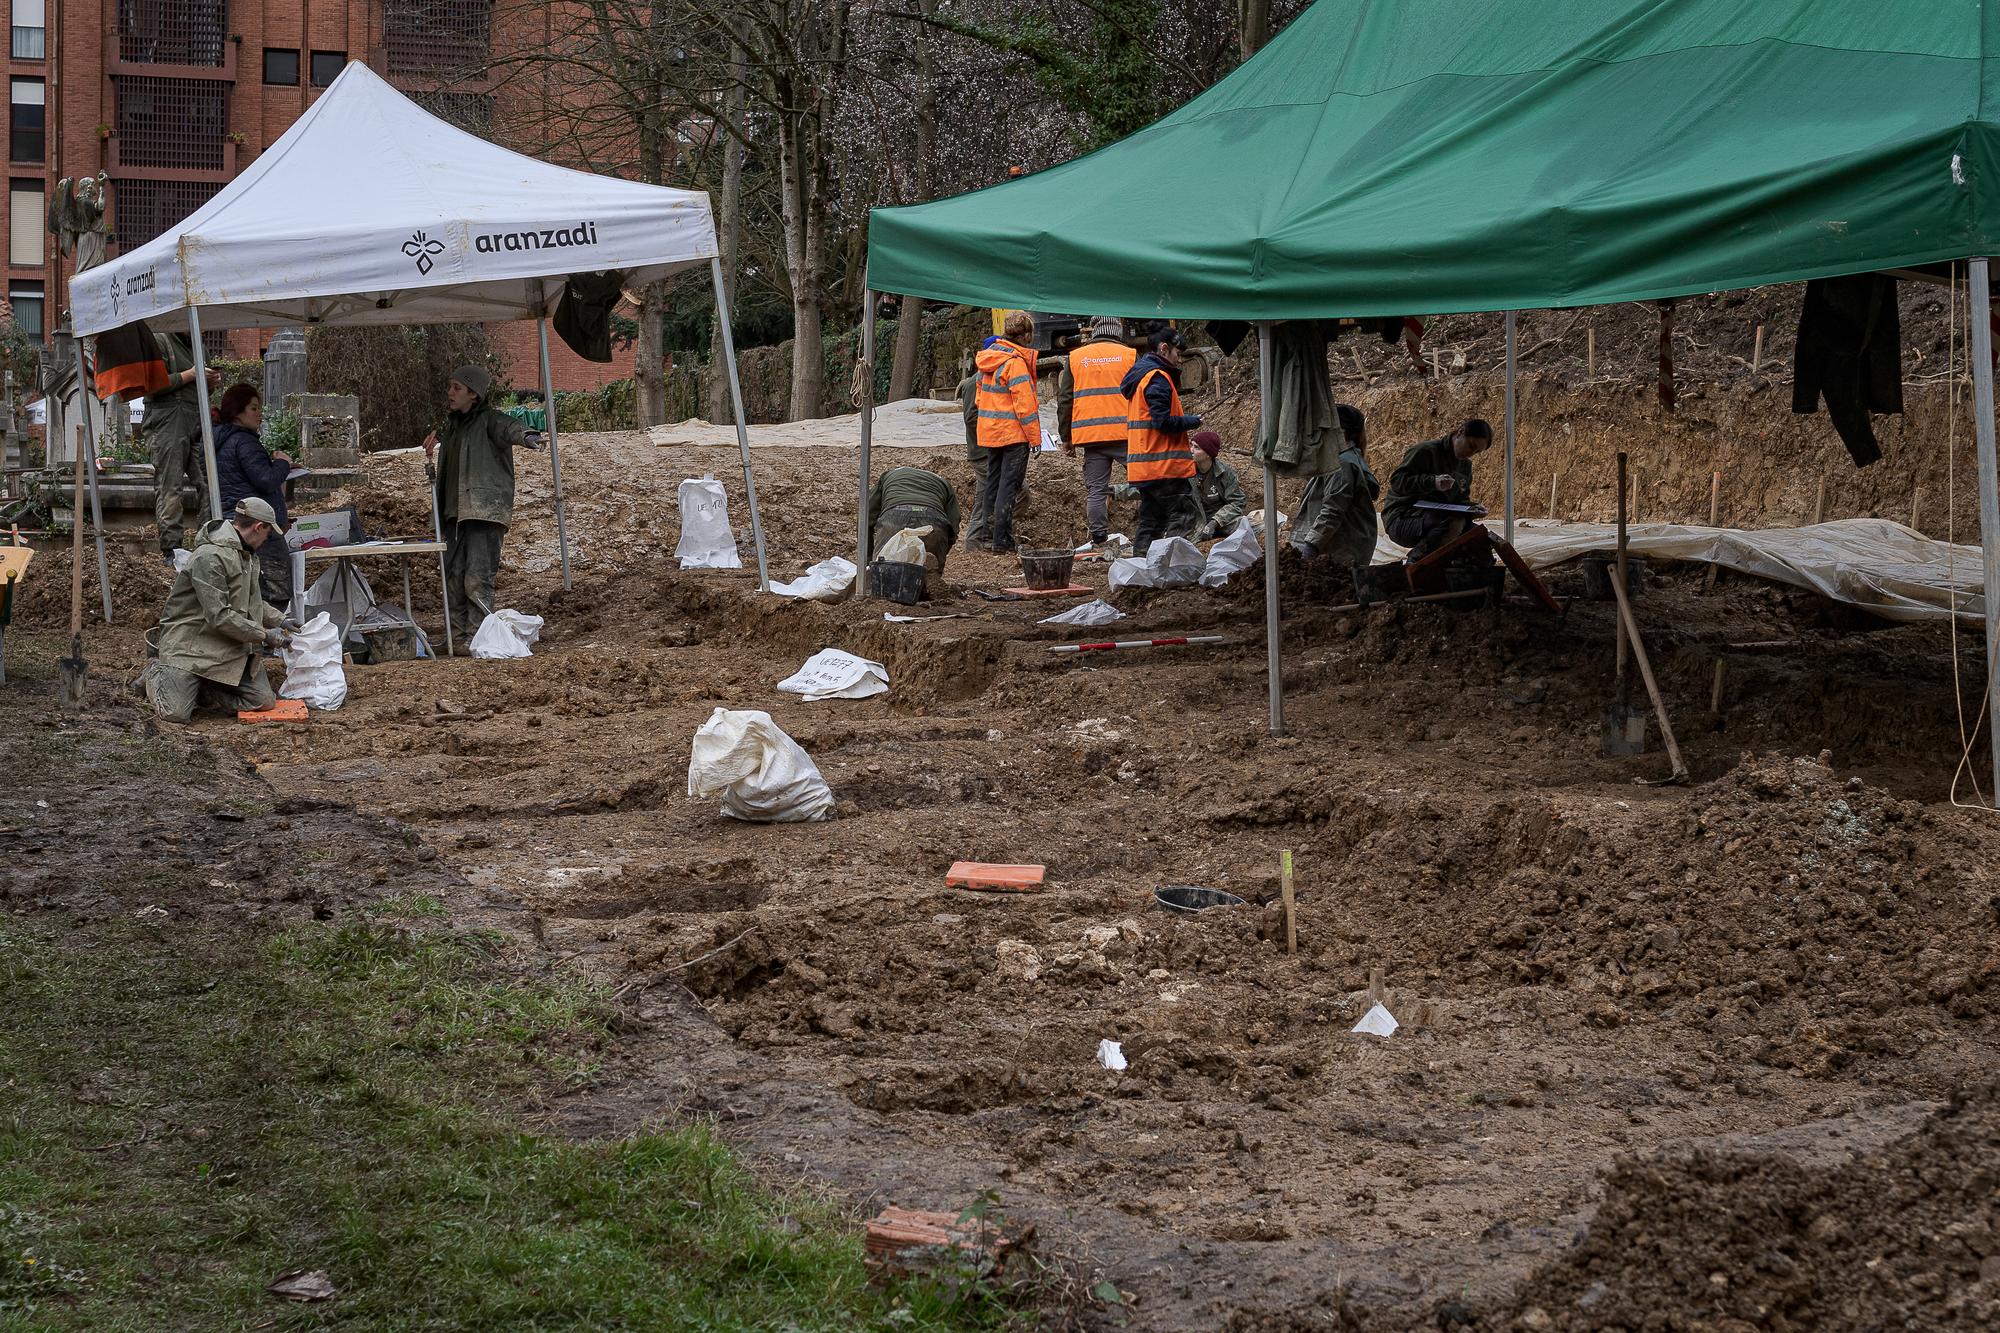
(1159, 460)
(1091, 412)
(1010, 422)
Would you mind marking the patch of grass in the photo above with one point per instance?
(185, 1115)
(412, 907)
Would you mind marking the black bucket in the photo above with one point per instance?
(897, 580)
(1597, 576)
(1047, 569)
(1187, 899)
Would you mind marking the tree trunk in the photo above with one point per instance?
(728, 231)
(909, 341)
(650, 368)
(1253, 25)
(802, 264)
(910, 318)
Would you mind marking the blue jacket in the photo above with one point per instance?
(243, 467)
(1159, 397)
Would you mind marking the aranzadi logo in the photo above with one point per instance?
(137, 285)
(549, 238)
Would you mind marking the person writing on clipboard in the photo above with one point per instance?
(1440, 471)
(473, 454)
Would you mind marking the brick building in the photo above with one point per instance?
(173, 97)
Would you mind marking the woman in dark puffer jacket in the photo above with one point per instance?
(243, 467)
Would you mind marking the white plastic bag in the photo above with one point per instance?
(1377, 1022)
(706, 539)
(833, 674)
(1111, 1054)
(1170, 562)
(907, 546)
(506, 634)
(827, 581)
(1097, 612)
(761, 773)
(312, 665)
(1232, 555)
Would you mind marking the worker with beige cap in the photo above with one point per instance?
(474, 450)
(217, 624)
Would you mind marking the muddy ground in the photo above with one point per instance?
(1685, 1012)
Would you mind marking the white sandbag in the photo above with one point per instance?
(1170, 562)
(761, 773)
(833, 674)
(505, 635)
(312, 665)
(827, 581)
(1232, 555)
(1096, 612)
(707, 542)
(907, 547)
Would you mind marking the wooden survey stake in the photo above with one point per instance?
(1285, 894)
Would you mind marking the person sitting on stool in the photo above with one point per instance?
(1439, 470)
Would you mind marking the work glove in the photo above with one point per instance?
(276, 638)
(1305, 549)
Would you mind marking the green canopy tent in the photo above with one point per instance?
(1473, 155)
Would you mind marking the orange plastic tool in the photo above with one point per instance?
(997, 878)
(284, 710)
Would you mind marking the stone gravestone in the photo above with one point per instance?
(329, 444)
(285, 366)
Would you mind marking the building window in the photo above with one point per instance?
(144, 209)
(281, 68)
(180, 124)
(25, 228)
(27, 300)
(469, 111)
(173, 32)
(28, 30)
(24, 138)
(326, 67)
(437, 39)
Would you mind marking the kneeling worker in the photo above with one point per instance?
(1337, 511)
(1219, 501)
(217, 624)
(909, 497)
(1439, 470)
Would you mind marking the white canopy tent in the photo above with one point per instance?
(370, 210)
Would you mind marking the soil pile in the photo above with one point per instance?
(1903, 1237)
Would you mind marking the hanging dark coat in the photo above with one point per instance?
(1850, 352)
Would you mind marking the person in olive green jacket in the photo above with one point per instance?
(1439, 470)
(172, 430)
(217, 624)
(1337, 512)
(475, 494)
(1215, 495)
(910, 497)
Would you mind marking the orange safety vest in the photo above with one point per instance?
(1097, 417)
(1009, 412)
(1155, 455)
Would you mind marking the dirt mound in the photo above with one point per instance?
(1903, 1237)
(1785, 916)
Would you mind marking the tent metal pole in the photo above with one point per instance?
(86, 383)
(867, 406)
(1507, 430)
(201, 400)
(742, 426)
(555, 451)
(1989, 495)
(1267, 396)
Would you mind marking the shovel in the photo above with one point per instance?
(74, 671)
(1622, 732)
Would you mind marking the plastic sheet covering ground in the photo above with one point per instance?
(1876, 564)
